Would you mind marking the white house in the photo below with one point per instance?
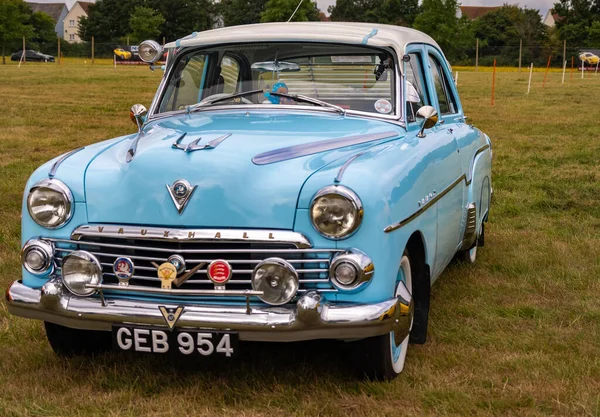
(67, 19)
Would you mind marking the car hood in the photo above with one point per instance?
(231, 190)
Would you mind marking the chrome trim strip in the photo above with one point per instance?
(198, 235)
(340, 174)
(207, 281)
(291, 152)
(311, 317)
(200, 251)
(477, 152)
(431, 202)
(62, 159)
(150, 290)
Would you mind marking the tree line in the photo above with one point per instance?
(499, 32)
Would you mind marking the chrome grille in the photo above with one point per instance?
(311, 264)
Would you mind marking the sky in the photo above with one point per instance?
(541, 5)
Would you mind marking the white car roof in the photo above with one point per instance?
(373, 34)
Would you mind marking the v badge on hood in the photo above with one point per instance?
(180, 193)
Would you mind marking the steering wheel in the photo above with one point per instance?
(219, 95)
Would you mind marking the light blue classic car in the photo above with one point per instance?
(290, 181)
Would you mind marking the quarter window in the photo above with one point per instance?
(415, 86)
(442, 87)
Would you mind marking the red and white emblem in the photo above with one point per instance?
(219, 271)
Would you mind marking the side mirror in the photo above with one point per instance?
(137, 114)
(430, 116)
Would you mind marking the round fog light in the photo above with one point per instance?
(346, 273)
(350, 270)
(277, 279)
(37, 257)
(81, 268)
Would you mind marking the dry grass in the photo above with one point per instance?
(516, 334)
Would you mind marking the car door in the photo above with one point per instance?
(451, 183)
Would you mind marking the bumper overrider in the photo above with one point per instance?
(311, 317)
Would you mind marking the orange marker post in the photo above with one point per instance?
(572, 65)
(494, 82)
(547, 69)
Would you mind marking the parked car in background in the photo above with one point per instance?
(589, 58)
(122, 53)
(31, 55)
(290, 181)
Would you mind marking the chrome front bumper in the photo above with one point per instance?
(310, 318)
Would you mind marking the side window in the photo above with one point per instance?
(416, 95)
(230, 75)
(442, 88)
(184, 86)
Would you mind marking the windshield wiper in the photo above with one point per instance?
(219, 99)
(306, 99)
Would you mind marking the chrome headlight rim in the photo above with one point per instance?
(43, 247)
(154, 45)
(350, 196)
(88, 257)
(284, 264)
(60, 187)
(363, 265)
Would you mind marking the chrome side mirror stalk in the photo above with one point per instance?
(430, 119)
(137, 114)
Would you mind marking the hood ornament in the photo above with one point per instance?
(180, 193)
(195, 145)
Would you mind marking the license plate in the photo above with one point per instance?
(183, 342)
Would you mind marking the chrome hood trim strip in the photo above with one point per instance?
(62, 159)
(292, 152)
(224, 235)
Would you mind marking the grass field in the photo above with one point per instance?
(516, 334)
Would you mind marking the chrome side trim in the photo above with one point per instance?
(62, 159)
(311, 317)
(226, 235)
(477, 152)
(291, 152)
(431, 202)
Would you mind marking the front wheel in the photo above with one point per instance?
(382, 357)
(66, 341)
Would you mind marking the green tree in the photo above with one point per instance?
(501, 30)
(438, 19)
(107, 20)
(145, 24)
(395, 12)
(241, 12)
(14, 24)
(575, 20)
(281, 10)
(182, 17)
(43, 26)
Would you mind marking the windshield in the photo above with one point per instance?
(345, 77)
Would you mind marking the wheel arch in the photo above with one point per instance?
(421, 279)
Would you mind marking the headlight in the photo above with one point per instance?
(50, 203)
(336, 212)
(37, 257)
(79, 269)
(277, 279)
(150, 51)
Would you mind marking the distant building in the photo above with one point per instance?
(550, 18)
(474, 12)
(67, 20)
